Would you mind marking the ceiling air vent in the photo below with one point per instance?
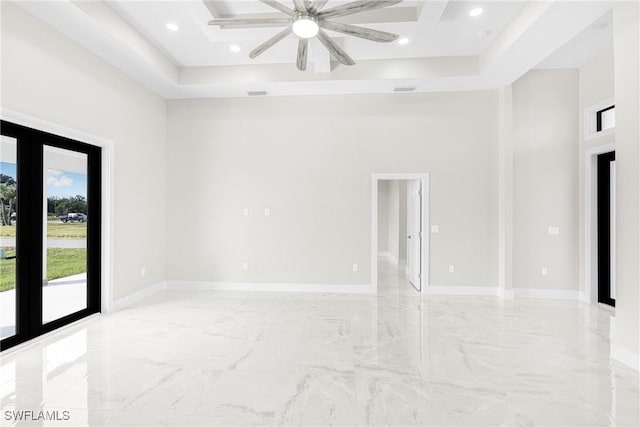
(405, 89)
(258, 93)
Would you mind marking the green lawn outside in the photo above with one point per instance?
(60, 263)
(8, 230)
(55, 230)
(8, 271)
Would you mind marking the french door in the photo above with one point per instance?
(49, 232)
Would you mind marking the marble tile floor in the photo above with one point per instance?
(224, 358)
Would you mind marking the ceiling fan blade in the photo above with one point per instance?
(224, 22)
(303, 49)
(363, 33)
(316, 5)
(273, 40)
(356, 7)
(335, 50)
(300, 5)
(277, 5)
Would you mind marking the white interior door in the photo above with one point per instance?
(414, 233)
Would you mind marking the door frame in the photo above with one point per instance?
(107, 184)
(591, 221)
(424, 239)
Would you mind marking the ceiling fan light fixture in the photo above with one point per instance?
(304, 21)
(305, 27)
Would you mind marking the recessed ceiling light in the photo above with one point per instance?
(475, 12)
(234, 48)
(403, 40)
(172, 27)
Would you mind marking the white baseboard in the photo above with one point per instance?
(461, 290)
(135, 297)
(561, 294)
(388, 256)
(505, 293)
(625, 357)
(275, 287)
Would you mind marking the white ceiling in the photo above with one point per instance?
(587, 45)
(444, 53)
(197, 44)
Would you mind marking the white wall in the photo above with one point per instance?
(310, 160)
(392, 220)
(596, 86)
(627, 94)
(393, 229)
(383, 216)
(402, 242)
(545, 118)
(49, 77)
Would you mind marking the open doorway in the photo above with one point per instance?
(607, 228)
(400, 246)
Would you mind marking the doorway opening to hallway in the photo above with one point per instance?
(400, 245)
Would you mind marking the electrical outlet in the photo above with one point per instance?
(452, 268)
(553, 231)
(435, 229)
(245, 266)
(355, 267)
(267, 212)
(544, 271)
(143, 271)
(245, 211)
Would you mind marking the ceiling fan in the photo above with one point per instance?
(308, 19)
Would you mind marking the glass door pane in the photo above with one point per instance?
(64, 289)
(8, 209)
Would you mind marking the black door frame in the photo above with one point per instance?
(604, 227)
(29, 230)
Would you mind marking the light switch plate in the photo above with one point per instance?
(355, 267)
(452, 268)
(435, 229)
(545, 271)
(267, 212)
(245, 211)
(553, 230)
(245, 266)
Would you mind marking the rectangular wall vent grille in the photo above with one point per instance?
(405, 89)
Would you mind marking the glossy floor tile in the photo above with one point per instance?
(224, 358)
